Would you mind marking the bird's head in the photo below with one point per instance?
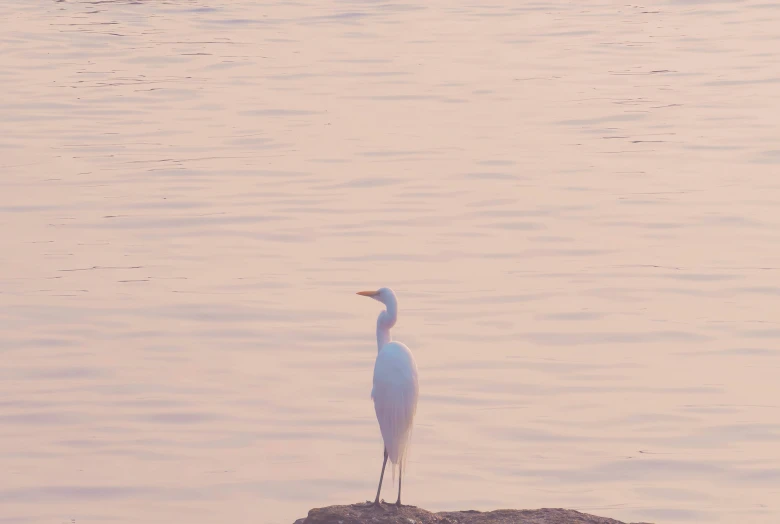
(386, 318)
(384, 295)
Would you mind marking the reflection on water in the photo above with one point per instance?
(575, 204)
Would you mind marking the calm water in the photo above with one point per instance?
(576, 202)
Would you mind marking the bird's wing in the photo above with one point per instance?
(395, 397)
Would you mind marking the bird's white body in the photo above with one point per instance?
(395, 397)
(395, 388)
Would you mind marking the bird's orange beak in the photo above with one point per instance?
(368, 293)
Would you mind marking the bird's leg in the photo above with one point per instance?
(379, 489)
(400, 474)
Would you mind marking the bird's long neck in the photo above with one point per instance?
(385, 321)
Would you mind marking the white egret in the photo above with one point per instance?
(395, 388)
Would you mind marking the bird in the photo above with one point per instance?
(395, 389)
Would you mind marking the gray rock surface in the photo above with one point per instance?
(388, 514)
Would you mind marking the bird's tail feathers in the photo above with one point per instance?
(405, 443)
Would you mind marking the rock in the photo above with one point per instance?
(388, 514)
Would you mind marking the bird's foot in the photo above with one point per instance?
(377, 504)
(398, 503)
